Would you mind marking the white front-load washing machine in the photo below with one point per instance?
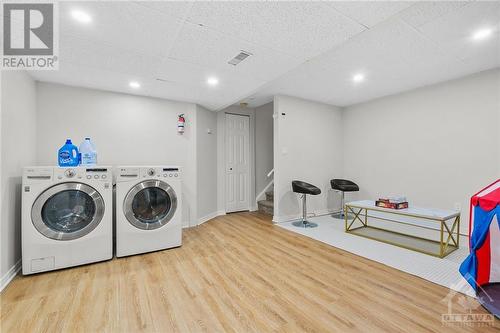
(148, 209)
(66, 217)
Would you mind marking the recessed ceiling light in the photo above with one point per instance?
(482, 34)
(134, 84)
(358, 78)
(80, 16)
(212, 81)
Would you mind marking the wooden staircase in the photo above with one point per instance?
(267, 206)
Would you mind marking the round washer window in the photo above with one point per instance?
(68, 211)
(151, 205)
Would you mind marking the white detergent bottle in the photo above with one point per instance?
(88, 153)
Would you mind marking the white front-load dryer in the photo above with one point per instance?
(66, 217)
(148, 209)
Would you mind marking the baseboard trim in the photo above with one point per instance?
(210, 216)
(11, 274)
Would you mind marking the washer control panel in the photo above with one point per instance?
(37, 174)
(81, 173)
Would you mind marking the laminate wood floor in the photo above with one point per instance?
(235, 273)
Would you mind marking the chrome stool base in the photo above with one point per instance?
(304, 224)
(341, 215)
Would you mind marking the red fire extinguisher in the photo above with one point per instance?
(180, 124)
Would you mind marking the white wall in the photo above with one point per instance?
(438, 145)
(308, 147)
(221, 168)
(127, 129)
(18, 135)
(206, 148)
(263, 145)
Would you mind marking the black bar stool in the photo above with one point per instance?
(305, 189)
(343, 185)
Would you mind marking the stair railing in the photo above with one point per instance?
(262, 194)
(270, 173)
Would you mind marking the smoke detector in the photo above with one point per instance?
(239, 58)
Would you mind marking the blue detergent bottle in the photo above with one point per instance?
(68, 155)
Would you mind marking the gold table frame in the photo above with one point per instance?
(449, 232)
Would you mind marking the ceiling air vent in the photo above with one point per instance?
(239, 58)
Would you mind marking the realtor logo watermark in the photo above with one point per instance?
(463, 310)
(30, 36)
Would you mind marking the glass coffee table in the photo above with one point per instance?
(445, 222)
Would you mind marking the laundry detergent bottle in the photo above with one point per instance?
(88, 153)
(68, 155)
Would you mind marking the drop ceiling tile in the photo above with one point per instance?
(370, 13)
(175, 91)
(81, 76)
(88, 77)
(211, 49)
(177, 9)
(427, 11)
(125, 25)
(83, 52)
(301, 29)
(194, 75)
(308, 81)
(385, 46)
(422, 72)
(453, 32)
(487, 59)
(172, 70)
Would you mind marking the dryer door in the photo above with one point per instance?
(67, 211)
(150, 204)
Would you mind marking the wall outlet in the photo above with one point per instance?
(458, 206)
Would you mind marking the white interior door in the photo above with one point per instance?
(237, 163)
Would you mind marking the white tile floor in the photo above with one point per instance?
(440, 271)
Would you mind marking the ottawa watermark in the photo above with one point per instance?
(464, 311)
(30, 32)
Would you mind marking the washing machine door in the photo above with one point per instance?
(150, 204)
(67, 211)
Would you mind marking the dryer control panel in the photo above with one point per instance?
(161, 172)
(127, 173)
(157, 172)
(173, 172)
